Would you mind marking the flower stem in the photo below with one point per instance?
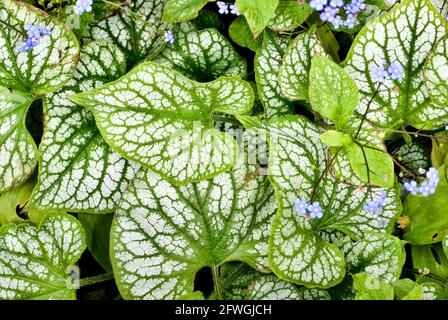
(96, 279)
(217, 282)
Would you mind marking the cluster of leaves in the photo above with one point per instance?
(119, 139)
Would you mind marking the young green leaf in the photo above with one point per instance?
(240, 33)
(371, 165)
(45, 68)
(162, 120)
(298, 250)
(179, 11)
(294, 70)
(406, 35)
(164, 234)
(289, 15)
(36, 263)
(203, 56)
(333, 94)
(258, 13)
(18, 152)
(369, 288)
(78, 171)
(267, 63)
(138, 31)
(334, 138)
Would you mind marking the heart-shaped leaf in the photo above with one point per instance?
(203, 56)
(258, 13)
(298, 251)
(178, 11)
(406, 35)
(267, 64)
(35, 263)
(432, 258)
(45, 68)
(161, 119)
(379, 255)
(333, 94)
(18, 152)
(138, 31)
(294, 71)
(78, 171)
(289, 15)
(163, 234)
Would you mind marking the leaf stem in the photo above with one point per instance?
(217, 282)
(364, 116)
(96, 279)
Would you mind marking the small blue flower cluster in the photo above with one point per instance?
(308, 210)
(393, 71)
(34, 33)
(330, 11)
(376, 206)
(83, 6)
(224, 8)
(169, 37)
(427, 187)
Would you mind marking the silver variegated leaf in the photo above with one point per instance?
(18, 152)
(162, 120)
(45, 68)
(298, 251)
(267, 63)
(406, 35)
(380, 255)
(163, 234)
(413, 156)
(78, 171)
(138, 30)
(296, 65)
(37, 263)
(203, 55)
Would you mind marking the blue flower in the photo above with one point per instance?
(315, 210)
(376, 206)
(300, 206)
(432, 174)
(318, 4)
(304, 208)
(169, 37)
(350, 21)
(427, 187)
(378, 74)
(328, 14)
(234, 10)
(34, 33)
(395, 71)
(355, 7)
(83, 6)
(223, 8)
(411, 187)
(336, 3)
